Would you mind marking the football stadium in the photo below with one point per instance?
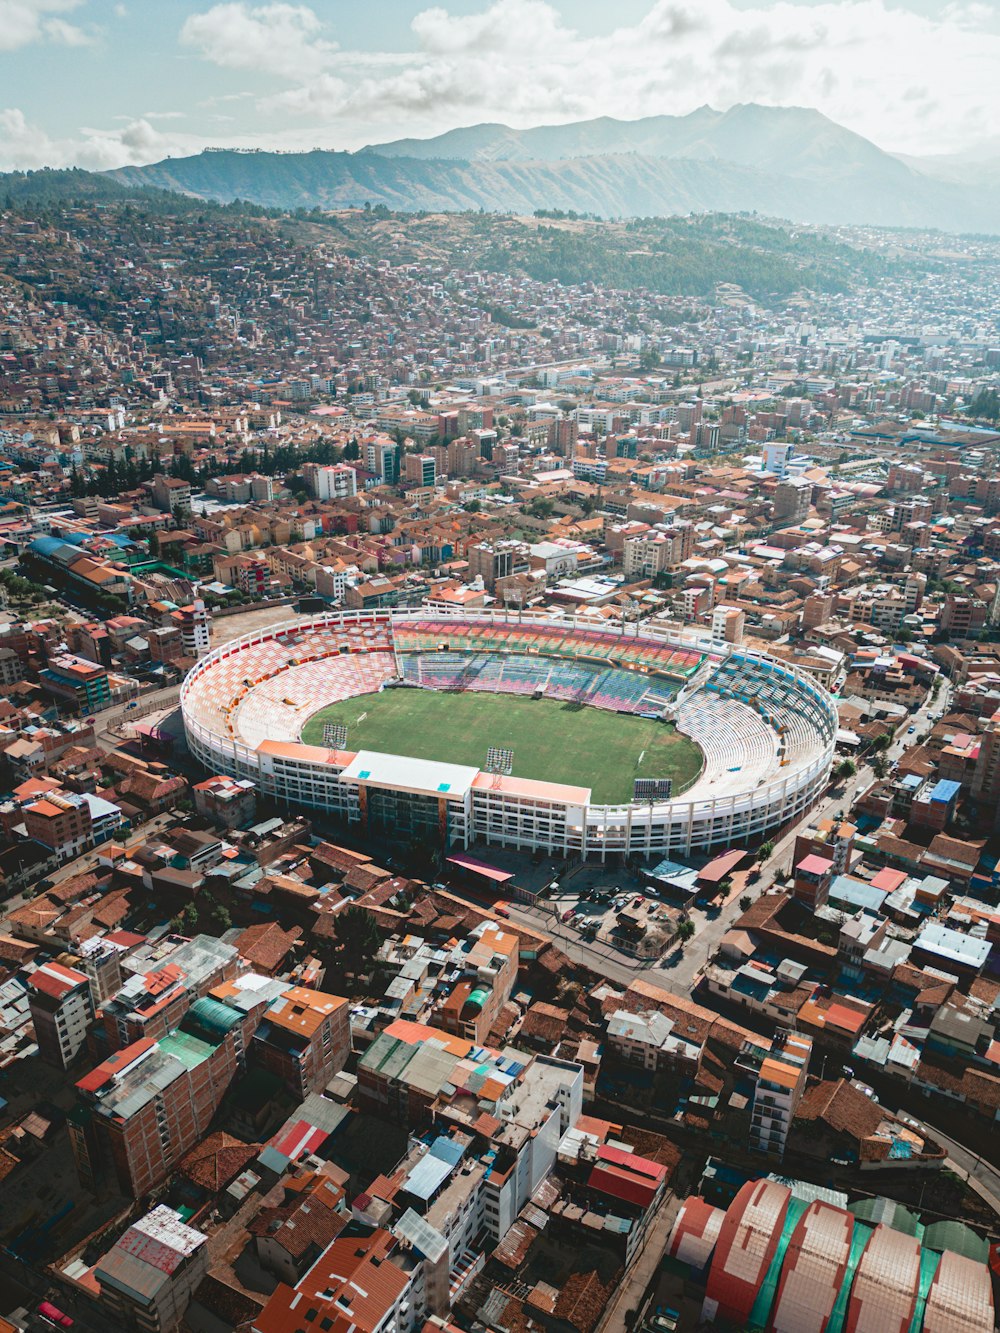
(528, 732)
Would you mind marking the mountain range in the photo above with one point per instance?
(787, 162)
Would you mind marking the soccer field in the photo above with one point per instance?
(551, 740)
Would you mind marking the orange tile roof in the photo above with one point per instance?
(302, 1010)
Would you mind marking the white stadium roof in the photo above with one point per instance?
(424, 776)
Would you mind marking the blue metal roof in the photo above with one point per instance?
(944, 790)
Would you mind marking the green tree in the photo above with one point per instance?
(746, 902)
(765, 851)
(685, 930)
(358, 938)
(846, 768)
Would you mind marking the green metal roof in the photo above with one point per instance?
(956, 1236)
(211, 1019)
(190, 1050)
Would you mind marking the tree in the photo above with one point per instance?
(765, 851)
(880, 766)
(746, 902)
(846, 768)
(358, 938)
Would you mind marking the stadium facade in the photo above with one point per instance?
(767, 731)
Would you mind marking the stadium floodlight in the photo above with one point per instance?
(652, 789)
(335, 735)
(499, 762)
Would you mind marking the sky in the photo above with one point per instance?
(107, 83)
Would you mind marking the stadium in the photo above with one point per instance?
(465, 727)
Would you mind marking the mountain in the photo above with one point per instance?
(783, 140)
(780, 161)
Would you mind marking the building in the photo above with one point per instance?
(61, 821)
(488, 961)
(148, 1276)
(195, 627)
(420, 469)
(356, 1286)
(789, 1256)
(142, 1109)
(382, 458)
(61, 1008)
(335, 481)
(727, 624)
(304, 1038)
(781, 1081)
(229, 802)
(660, 549)
(152, 1003)
(792, 498)
(74, 681)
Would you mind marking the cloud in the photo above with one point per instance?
(522, 62)
(281, 39)
(25, 146)
(23, 22)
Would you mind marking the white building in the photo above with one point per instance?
(336, 481)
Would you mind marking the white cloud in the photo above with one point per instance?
(25, 146)
(280, 39)
(858, 61)
(25, 21)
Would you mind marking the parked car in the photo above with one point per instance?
(54, 1315)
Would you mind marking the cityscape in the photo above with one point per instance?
(500, 732)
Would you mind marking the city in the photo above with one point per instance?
(499, 769)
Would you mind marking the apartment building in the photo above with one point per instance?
(76, 682)
(662, 548)
(61, 1008)
(142, 1109)
(152, 1003)
(781, 1081)
(727, 624)
(335, 481)
(356, 1284)
(304, 1038)
(61, 821)
(195, 628)
(488, 963)
(230, 802)
(149, 1275)
(420, 469)
(382, 458)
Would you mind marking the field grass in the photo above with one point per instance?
(552, 741)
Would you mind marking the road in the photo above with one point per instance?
(679, 971)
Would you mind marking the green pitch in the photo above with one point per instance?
(552, 741)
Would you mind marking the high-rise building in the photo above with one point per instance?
(195, 627)
(146, 1105)
(420, 469)
(61, 1007)
(382, 457)
(792, 498)
(334, 481)
(781, 1081)
(304, 1038)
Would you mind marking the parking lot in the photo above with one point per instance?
(620, 916)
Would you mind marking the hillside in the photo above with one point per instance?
(868, 192)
